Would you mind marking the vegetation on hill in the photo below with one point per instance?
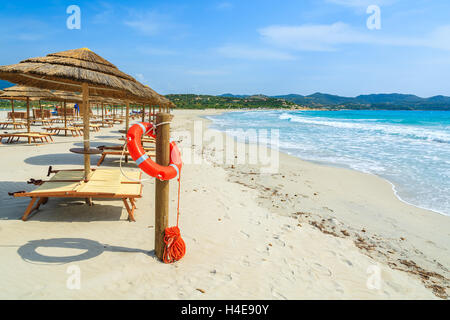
(192, 101)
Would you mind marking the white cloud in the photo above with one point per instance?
(361, 3)
(311, 37)
(207, 72)
(331, 37)
(140, 77)
(439, 38)
(29, 36)
(105, 13)
(225, 6)
(157, 52)
(148, 23)
(250, 53)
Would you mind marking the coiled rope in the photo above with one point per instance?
(175, 247)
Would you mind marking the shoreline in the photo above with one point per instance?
(335, 165)
(365, 245)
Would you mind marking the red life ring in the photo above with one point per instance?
(144, 161)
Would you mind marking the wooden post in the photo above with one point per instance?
(127, 116)
(65, 118)
(143, 113)
(12, 109)
(162, 187)
(86, 133)
(28, 118)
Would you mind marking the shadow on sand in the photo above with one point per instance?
(60, 159)
(92, 248)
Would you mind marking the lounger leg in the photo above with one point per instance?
(29, 209)
(129, 210)
(40, 202)
(101, 160)
(89, 202)
(133, 202)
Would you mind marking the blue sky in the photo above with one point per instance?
(247, 46)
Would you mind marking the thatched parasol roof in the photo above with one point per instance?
(68, 96)
(96, 99)
(24, 92)
(67, 70)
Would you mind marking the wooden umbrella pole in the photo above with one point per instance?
(12, 110)
(103, 115)
(28, 119)
(127, 116)
(86, 133)
(65, 118)
(162, 187)
(41, 109)
(143, 113)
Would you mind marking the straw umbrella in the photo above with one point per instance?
(27, 94)
(79, 70)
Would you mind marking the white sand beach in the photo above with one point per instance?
(307, 232)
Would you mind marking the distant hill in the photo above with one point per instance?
(317, 100)
(371, 101)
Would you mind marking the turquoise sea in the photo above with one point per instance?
(411, 149)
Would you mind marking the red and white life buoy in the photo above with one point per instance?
(144, 161)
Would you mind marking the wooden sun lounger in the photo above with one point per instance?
(75, 131)
(44, 122)
(34, 136)
(103, 124)
(92, 127)
(116, 120)
(103, 184)
(56, 120)
(16, 125)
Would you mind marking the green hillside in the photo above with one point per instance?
(191, 101)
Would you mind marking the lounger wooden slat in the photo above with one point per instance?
(68, 175)
(104, 184)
